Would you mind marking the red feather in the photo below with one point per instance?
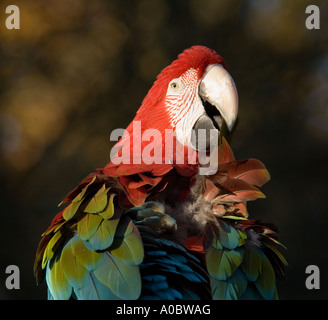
(235, 182)
(153, 115)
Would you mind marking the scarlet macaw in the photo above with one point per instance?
(149, 227)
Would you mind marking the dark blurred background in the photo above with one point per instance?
(76, 70)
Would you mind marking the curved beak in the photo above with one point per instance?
(217, 89)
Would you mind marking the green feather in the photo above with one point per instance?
(48, 253)
(221, 264)
(228, 235)
(88, 225)
(75, 273)
(278, 254)
(130, 249)
(109, 211)
(213, 258)
(252, 263)
(88, 258)
(216, 243)
(98, 202)
(57, 282)
(122, 279)
(230, 261)
(242, 238)
(71, 209)
(265, 283)
(273, 240)
(232, 289)
(104, 235)
(94, 290)
(251, 293)
(234, 218)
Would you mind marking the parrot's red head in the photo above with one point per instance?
(194, 85)
(194, 92)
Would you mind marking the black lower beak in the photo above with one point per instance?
(207, 128)
(204, 134)
(213, 113)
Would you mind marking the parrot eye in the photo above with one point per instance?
(175, 87)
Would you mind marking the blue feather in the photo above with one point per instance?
(154, 277)
(189, 294)
(156, 253)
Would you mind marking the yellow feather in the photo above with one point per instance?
(88, 258)
(98, 202)
(109, 211)
(88, 225)
(48, 252)
(70, 210)
(82, 193)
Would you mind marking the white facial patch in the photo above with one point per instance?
(184, 105)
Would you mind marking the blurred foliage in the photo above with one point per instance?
(76, 70)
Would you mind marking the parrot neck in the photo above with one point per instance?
(146, 160)
(154, 150)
